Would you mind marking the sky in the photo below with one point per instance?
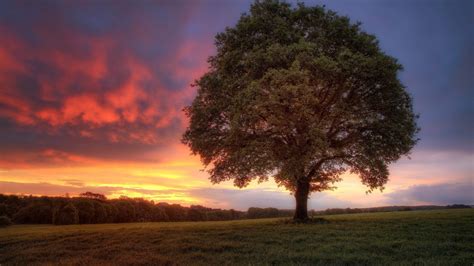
(92, 92)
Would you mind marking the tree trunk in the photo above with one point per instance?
(301, 196)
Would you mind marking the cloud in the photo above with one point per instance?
(48, 189)
(442, 194)
(73, 182)
(240, 199)
(90, 74)
(76, 94)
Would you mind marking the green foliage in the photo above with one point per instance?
(439, 237)
(303, 95)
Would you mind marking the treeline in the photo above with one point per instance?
(388, 209)
(91, 208)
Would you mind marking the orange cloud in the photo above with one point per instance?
(86, 90)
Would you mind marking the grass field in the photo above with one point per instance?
(440, 237)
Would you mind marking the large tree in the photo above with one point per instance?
(302, 95)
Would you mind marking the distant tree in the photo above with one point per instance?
(254, 213)
(100, 212)
(302, 95)
(86, 210)
(66, 214)
(5, 221)
(458, 206)
(233, 214)
(91, 195)
(14, 204)
(144, 210)
(34, 213)
(112, 213)
(159, 214)
(3, 209)
(125, 210)
(175, 212)
(197, 213)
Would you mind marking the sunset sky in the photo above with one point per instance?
(91, 98)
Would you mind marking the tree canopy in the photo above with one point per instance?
(300, 94)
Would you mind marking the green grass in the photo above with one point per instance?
(439, 237)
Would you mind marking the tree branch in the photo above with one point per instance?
(318, 164)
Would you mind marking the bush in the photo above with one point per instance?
(5, 221)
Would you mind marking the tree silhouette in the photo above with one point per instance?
(91, 195)
(302, 95)
(67, 214)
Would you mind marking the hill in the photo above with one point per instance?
(432, 237)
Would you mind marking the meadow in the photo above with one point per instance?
(435, 237)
